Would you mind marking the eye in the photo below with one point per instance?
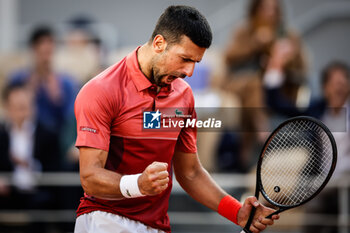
(186, 60)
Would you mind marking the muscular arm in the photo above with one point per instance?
(102, 183)
(196, 181)
(95, 179)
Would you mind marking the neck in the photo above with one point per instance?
(18, 125)
(144, 59)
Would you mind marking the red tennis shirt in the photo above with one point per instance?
(109, 112)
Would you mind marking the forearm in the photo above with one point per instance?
(196, 181)
(95, 179)
(105, 184)
(201, 187)
(101, 183)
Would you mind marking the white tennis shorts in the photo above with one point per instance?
(103, 222)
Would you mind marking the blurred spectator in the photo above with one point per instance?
(81, 54)
(10, 61)
(26, 149)
(54, 92)
(250, 52)
(332, 99)
(284, 82)
(336, 90)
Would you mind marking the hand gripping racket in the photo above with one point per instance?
(295, 164)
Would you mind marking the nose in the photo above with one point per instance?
(188, 70)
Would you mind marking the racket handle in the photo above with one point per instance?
(250, 220)
(245, 231)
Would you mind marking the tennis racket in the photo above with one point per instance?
(295, 164)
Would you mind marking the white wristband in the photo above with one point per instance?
(129, 186)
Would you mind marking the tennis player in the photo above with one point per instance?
(126, 170)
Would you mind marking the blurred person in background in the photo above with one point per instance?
(247, 56)
(54, 92)
(336, 91)
(286, 94)
(81, 54)
(27, 148)
(335, 82)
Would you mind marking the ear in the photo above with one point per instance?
(159, 43)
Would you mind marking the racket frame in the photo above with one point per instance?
(259, 187)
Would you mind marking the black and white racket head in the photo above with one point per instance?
(296, 162)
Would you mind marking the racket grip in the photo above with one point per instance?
(249, 222)
(245, 231)
(277, 212)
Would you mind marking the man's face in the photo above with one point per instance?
(176, 61)
(44, 49)
(19, 106)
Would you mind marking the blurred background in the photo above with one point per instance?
(270, 60)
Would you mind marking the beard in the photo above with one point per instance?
(157, 77)
(164, 79)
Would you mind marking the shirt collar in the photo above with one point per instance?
(140, 80)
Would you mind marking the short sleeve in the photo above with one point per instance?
(187, 140)
(94, 115)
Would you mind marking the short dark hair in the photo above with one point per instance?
(177, 21)
(11, 87)
(39, 33)
(331, 67)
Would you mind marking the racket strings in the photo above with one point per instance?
(307, 171)
(312, 163)
(296, 162)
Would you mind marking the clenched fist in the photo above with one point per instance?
(154, 179)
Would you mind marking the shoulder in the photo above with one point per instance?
(93, 90)
(104, 90)
(19, 76)
(181, 85)
(182, 88)
(110, 78)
